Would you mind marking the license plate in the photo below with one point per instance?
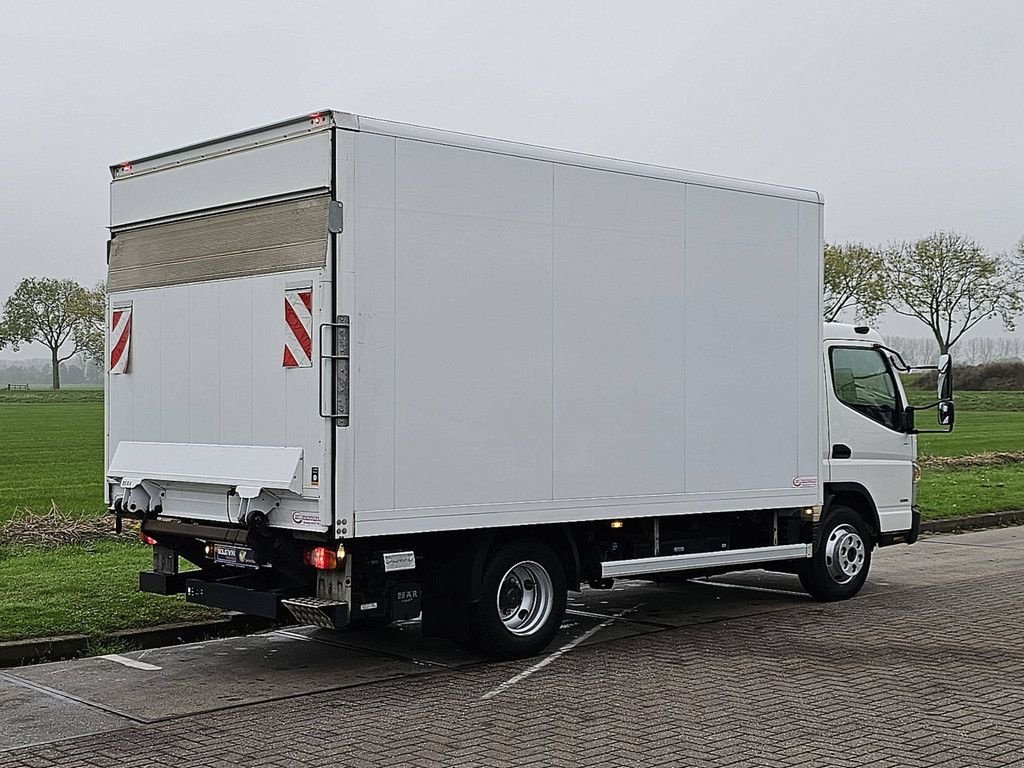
(242, 557)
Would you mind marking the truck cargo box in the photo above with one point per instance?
(428, 331)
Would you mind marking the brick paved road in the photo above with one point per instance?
(912, 674)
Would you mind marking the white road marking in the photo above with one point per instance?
(556, 655)
(119, 659)
(292, 635)
(752, 588)
(596, 615)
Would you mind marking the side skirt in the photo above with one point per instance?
(701, 560)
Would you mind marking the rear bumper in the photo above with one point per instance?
(237, 593)
(234, 597)
(230, 593)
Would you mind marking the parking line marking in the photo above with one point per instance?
(292, 635)
(752, 588)
(596, 615)
(556, 655)
(119, 659)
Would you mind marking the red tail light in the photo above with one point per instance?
(321, 558)
(145, 539)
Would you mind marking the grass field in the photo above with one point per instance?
(51, 452)
(985, 422)
(51, 396)
(974, 432)
(973, 401)
(944, 493)
(82, 590)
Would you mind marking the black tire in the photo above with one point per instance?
(842, 556)
(529, 571)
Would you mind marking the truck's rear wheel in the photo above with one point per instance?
(842, 556)
(522, 600)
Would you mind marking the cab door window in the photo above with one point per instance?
(863, 380)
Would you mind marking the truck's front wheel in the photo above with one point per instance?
(842, 556)
(522, 600)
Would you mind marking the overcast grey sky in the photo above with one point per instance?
(909, 116)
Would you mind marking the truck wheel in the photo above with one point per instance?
(522, 600)
(842, 557)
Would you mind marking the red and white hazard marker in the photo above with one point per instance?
(120, 338)
(298, 317)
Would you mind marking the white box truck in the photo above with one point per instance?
(360, 370)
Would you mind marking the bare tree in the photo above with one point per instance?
(854, 278)
(52, 312)
(949, 283)
(916, 350)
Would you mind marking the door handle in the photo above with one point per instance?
(339, 362)
(840, 451)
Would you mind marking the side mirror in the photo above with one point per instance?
(947, 413)
(945, 378)
(908, 420)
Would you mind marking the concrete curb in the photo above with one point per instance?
(973, 522)
(17, 652)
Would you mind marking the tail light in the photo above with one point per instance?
(146, 538)
(321, 558)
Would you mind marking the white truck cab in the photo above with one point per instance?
(869, 447)
(870, 454)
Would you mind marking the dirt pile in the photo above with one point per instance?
(988, 459)
(56, 528)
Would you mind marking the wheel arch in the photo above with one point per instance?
(558, 537)
(857, 497)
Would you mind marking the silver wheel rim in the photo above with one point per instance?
(525, 598)
(845, 553)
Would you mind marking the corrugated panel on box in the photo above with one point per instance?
(276, 237)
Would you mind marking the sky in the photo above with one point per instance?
(908, 116)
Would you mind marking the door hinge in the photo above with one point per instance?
(336, 217)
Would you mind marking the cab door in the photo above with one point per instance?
(868, 444)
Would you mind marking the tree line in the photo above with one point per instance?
(36, 374)
(974, 350)
(947, 281)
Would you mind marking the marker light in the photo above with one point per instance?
(316, 118)
(145, 538)
(321, 558)
(617, 523)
